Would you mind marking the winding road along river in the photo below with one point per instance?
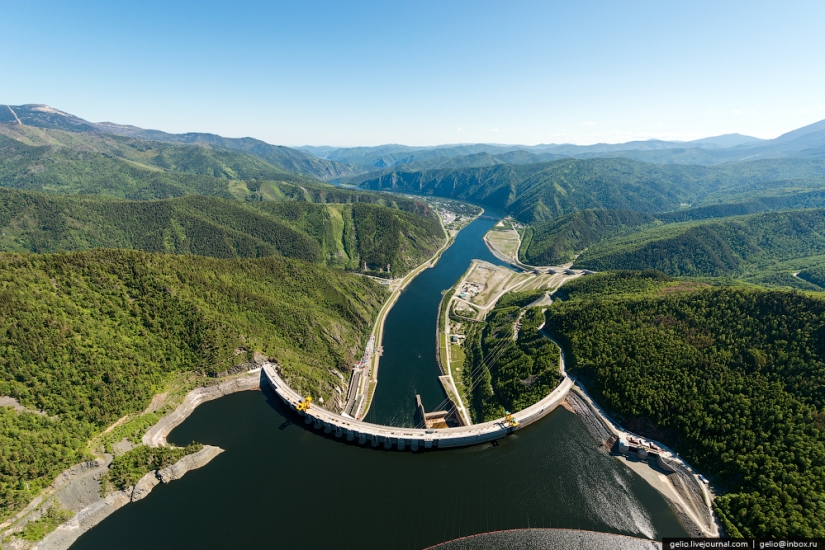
(281, 484)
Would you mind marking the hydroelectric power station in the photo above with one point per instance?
(411, 438)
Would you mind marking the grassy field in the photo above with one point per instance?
(456, 366)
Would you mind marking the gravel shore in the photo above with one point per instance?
(66, 534)
(78, 488)
(156, 435)
(680, 488)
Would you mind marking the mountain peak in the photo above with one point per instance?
(44, 116)
(799, 132)
(725, 140)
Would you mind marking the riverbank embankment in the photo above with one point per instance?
(368, 381)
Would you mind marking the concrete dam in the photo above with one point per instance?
(412, 438)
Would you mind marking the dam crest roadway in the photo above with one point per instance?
(414, 439)
(480, 256)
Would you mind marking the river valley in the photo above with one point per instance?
(279, 483)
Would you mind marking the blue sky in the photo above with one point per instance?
(422, 72)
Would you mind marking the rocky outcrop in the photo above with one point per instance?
(66, 534)
(156, 435)
(144, 486)
(176, 471)
(72, 473)
(189, 462)
(63, 483)
(6, 401)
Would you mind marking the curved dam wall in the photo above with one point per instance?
(412, 438)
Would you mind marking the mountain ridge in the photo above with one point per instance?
(541, 191)
(286, 158)
(710, 150)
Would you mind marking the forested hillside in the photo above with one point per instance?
(815, 275)
(342, 235)
(733, 379)
(729, 246)
(502, 373)
(539, 192)
(71, 170)
(558, 240)
(284, 158)
(37, 122)
(190, 159)
(89, 337)
(95, 164)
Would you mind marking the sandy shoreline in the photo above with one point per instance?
(686, 495)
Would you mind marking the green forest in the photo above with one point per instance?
(757, 242)
(157, 259)
(733, 379)
(127, 469)
(341, 235)
(100, 164)
(503, 373)
(539, 192)
(734, 245)
(558, 241)
(78, 170)
(88, 337)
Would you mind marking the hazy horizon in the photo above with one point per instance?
(370, 73)
(425, 145)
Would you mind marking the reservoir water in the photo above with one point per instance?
(281, 484)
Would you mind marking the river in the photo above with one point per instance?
(281, 484)
(408, 366)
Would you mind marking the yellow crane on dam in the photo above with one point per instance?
(509, 419)
(304, 405)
